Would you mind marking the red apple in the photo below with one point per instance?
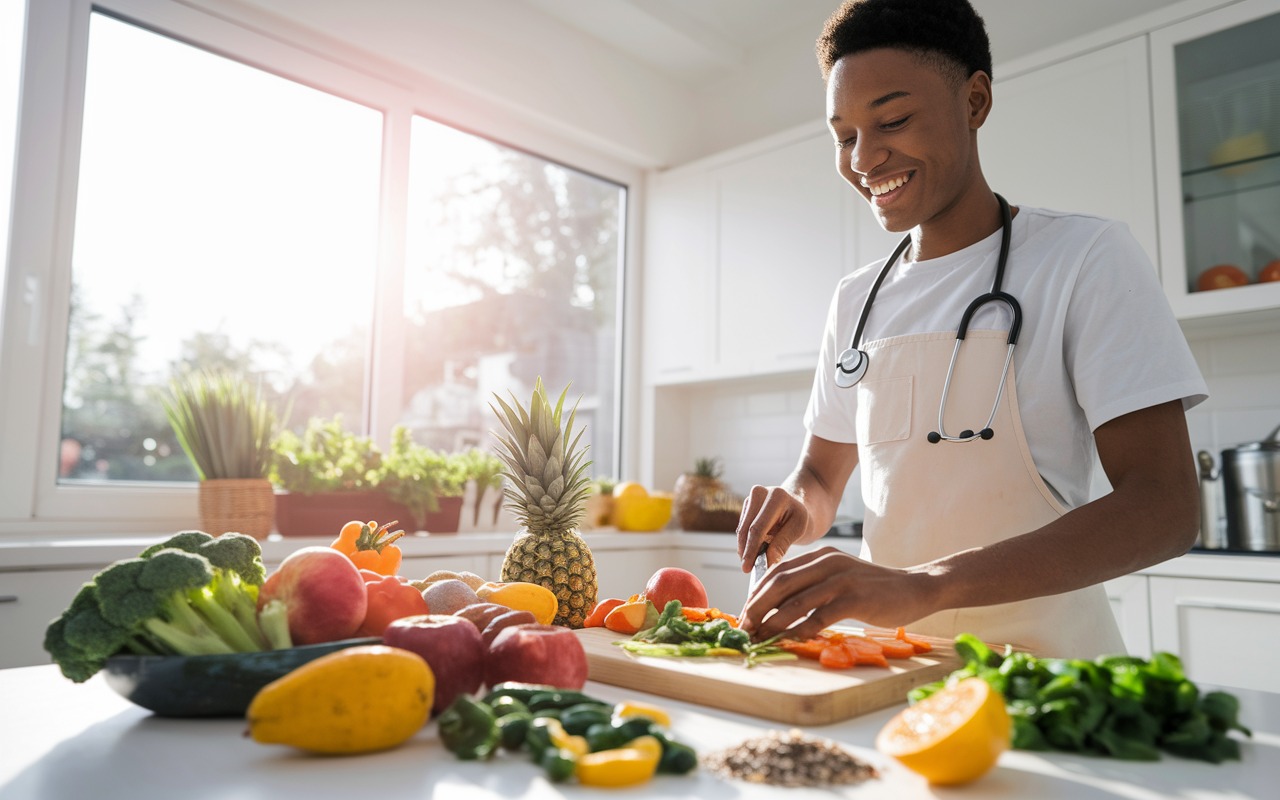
(534, 653)
(673, 583)
(452, 648)
(324, 594)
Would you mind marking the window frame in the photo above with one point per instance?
(33, 339)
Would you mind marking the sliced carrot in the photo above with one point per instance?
(811, 649)
(837, 656)
(715, 613)
(896, 648)
(872, 659)
(695, 614)
(868, 652)
(596, 618)
(920, 645)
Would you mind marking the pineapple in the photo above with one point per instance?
(547, 488)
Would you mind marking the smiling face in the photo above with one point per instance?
(906, 134)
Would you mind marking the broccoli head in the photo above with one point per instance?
(186, 540)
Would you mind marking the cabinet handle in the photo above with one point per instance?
(1226, 605)
(8, 598)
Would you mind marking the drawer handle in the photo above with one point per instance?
(1223, 605)
(8, 598)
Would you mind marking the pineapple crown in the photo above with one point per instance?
(708, 468)
(547, 488)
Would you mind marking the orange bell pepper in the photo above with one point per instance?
(389, 600)
(370, 547)
(596, 618)
(837, 656)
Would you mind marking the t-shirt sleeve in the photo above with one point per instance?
(832, 410)
(1123, 347)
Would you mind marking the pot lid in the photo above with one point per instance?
(1272, 442)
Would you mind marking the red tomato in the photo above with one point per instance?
(1223, 276)
(1270, 272)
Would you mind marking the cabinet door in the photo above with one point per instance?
(1128, 596)
(781, 253)
(1225, 632)
(622, 573)
(1076, 136)
(679, 280)
(29, 601)
(721, 575)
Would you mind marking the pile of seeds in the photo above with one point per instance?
(789, 759)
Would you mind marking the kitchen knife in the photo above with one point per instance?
(759, 569)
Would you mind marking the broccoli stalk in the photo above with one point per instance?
(190, 595)
(274, 620)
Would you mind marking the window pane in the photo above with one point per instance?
(12, 19)
(226, 217)
(512, 274)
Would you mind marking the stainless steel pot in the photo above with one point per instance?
(1251, 485)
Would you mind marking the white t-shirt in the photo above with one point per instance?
(1098, 337)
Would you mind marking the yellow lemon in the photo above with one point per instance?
(641, 513)
(951, 737)
(630, 489)
(352, 701)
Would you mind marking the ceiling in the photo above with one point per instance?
(697, 41)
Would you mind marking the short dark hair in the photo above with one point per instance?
(947, 34)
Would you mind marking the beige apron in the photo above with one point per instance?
(926, 501)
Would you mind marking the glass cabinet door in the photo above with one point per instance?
(1228, 99)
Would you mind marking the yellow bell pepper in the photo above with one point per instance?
(560, 738)
(625, 766)
(633, 709)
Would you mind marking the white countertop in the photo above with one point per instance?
(96, 552)
(61, 740)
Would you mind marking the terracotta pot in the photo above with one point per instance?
(322, 514)
(240, 505)
(705, 504)
(447, 519)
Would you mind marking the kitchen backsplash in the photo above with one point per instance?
(757, 426)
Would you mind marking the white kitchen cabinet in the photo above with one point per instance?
(622, 573)
(679, 278)
(721, 574)
(1037, 149)
(1222, 630)
(1221, 109)
(781, 240)
(1132, 610)
(29, 601)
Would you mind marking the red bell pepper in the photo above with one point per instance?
(389, 600)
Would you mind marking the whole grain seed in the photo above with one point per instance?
(789, 759)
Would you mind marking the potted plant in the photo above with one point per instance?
(328, 477)
(428, 484)
(703, 502)
(225, 426)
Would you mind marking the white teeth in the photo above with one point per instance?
(889, 186)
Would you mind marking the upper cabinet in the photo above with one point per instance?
(1216, 102)
(780, 256)
(743, 256)
(1076, 136)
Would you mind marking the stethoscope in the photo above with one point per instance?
(852, 364)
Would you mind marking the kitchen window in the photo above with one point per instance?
(222, 197)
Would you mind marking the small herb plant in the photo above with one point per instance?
(326, 458)
(223, 423)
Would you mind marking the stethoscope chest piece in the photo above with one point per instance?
(850, 367)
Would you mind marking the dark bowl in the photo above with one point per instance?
(209, 686)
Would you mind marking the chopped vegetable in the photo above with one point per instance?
(1118, 706)
(673, 635)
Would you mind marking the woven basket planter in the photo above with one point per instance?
(705, 504)
(239, 505)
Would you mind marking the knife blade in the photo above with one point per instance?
(758, 570)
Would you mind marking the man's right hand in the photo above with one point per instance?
(774, 515)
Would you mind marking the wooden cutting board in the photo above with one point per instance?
(800, 692)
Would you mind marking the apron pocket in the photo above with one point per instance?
(884, 410)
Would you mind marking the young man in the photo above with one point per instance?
(986, 532)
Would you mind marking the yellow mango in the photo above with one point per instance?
(529, 597)
(352, 701)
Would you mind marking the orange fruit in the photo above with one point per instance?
(953, 736)
(1223, 276)
(1270, 272)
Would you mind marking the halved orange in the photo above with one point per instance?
(953, 736)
